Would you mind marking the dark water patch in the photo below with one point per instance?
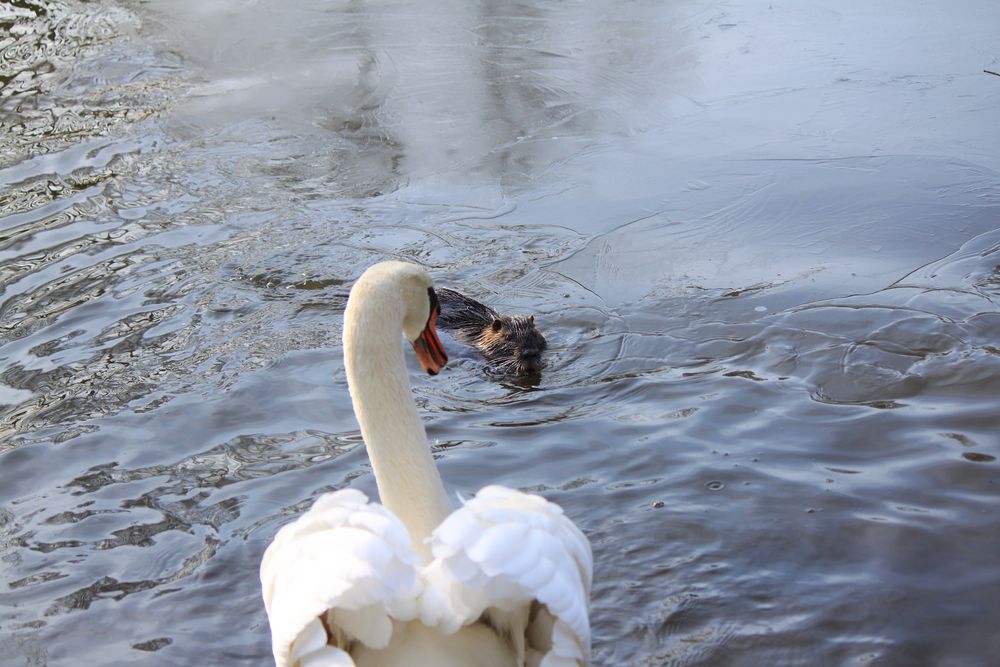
(153, 644)
(960, 438)
(35, 579)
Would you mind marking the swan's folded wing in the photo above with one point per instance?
(344, 556)
(501, 551)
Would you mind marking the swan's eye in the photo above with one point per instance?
(435, 307)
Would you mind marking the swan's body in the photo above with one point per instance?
(501, 581)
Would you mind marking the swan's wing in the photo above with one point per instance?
(502, 551)
(346, 557)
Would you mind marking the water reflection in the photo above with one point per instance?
(468, 93)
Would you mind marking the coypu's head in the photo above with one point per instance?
(513, 344)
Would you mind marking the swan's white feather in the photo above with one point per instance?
(344, 555)
(502, 550)
(497, 553)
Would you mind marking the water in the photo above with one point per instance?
(763, 241)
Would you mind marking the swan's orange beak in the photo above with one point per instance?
(428, 346)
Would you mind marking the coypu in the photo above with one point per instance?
(510, 343)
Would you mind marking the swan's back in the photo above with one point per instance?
(416, 645)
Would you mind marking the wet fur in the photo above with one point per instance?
(511, 343)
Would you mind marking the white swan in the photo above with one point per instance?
(503, 580)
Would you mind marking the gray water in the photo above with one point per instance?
(762, 239)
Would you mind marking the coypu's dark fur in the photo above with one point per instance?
(510, 343)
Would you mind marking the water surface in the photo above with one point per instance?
(762, 239)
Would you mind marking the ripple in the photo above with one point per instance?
(113, 589)
(49, 41)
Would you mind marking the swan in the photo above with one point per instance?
(503, 580)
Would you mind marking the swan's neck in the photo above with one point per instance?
(408, 481)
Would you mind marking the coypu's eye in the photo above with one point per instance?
(497, 325)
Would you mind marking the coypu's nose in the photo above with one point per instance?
(531, 361)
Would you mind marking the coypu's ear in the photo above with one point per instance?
(531, 318)
(497, 325)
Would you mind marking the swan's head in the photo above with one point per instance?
(420, 328)
(418, 302)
